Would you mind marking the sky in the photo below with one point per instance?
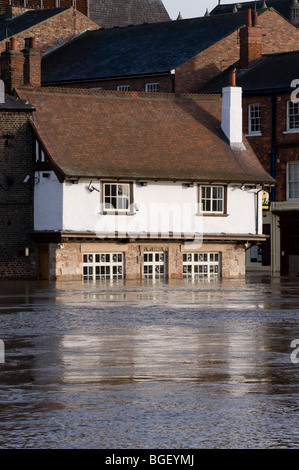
(191, 8)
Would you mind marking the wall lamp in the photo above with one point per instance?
(92, 188)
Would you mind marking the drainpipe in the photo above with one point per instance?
(273, 140)
(257, 211)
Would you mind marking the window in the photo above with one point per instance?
(212, 199)
(152, 87)
(201, 265)
(117, 197)
(154, 265)
(292, 116)
(101, 266)
(254, 119)
(39, 153)
(293, 180)
(123, 87)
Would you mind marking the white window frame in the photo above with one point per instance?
(290, 181)
(154, 265)
(103, 266)
(289, 115)
(254, 120)
(152, 87)
(117, 197)
(123, 87)
(213, 199)
(201, 265)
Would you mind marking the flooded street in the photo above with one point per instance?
(172, 365)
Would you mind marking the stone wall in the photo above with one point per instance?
(65, 260)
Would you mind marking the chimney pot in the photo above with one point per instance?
(248, 17)
(13, 44)
(32, 43)
(232, 77)
(254, 19)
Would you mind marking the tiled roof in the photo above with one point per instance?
(132, 136)
(271, 72)
(137, 50)
(110, 13)
(10, 27)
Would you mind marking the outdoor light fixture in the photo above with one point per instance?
(92, 188)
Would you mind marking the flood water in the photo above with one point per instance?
(146, 365)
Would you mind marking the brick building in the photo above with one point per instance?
(271, 123)
(177, 56)
(289, 9)
(106, 13)
(50, 28)
(17, 251)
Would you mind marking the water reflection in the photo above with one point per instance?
(149, 365)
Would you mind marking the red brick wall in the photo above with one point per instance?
(136, 84)
(286, 144)
(260, 144)
(81, 5)
(278, 35)
(58, 29)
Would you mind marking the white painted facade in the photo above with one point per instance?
(158, 208)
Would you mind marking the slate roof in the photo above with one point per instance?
(12, 26)
(137, 50)
(135, 136)
(109, 13)
(282, 6)
(13, 103)
(271, 72)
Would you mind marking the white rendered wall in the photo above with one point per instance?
(159, 208)
(48, 194)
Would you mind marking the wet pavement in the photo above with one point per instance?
(150, 365)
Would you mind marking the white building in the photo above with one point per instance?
(132, 186)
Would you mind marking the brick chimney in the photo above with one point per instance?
(12, 66)
(250, 40)
(231, 119)
(20, 68)
(32, 64)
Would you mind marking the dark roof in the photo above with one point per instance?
(137, 50)
(12, 26)
(109, 13)
(13, 103)
(282, 6)
(131, 136)
(271, 72)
